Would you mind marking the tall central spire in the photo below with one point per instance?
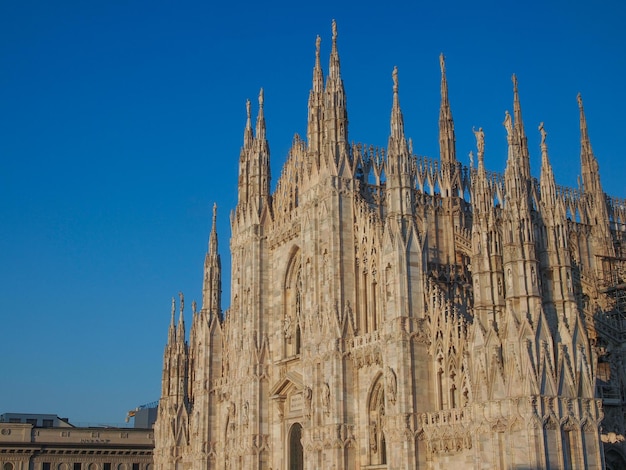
(335, 110)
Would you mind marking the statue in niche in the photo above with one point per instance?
(374, 436)
(287, 327)
(391, 383)
(245, 411)
(307, 393)
(326, 398)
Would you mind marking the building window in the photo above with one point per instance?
(135, 466)
(8, 466)
(15, 420)
(106, 466)
(31, 421)
(77, 466)
(48, 423)
(45, 466)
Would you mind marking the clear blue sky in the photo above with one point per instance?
(121, 124)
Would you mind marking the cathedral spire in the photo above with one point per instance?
(316, 103)
(398, 158)
(589, 164)
(520, 134)
(447, 149)
(335, 111)
(171, 335)
(546, 181)
(248, 137)
(397, 122)
(260, 120)
(212, 285)
(180, 330)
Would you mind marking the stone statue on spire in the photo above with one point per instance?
(394, 76)
(442, 63)
(508, 124)
(544, 134)
(480, 140)
(182, 302)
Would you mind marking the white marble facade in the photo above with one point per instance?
(393, 311)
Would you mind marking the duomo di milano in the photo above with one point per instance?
(390, 311)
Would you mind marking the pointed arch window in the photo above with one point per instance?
(292, 315)
(376, 417)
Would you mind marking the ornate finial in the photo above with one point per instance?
(410, 146)
(579, 98)
(544, 134)
(394, 75)
(248, 109)
(214, 213)
(334, 27)
(182, 302)
(442, 63)
(261, 99)
(318, 42)
(471, 159)
(514, 78)
(194, 307)
(173, 308)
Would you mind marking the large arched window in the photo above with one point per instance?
(292, 329)
(296, 452)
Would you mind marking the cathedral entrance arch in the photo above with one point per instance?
(296, 452)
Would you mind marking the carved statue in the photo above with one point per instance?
(245, 412)
(392, 386)
(326, 398)
(480, 140)
(307, 393)
(182, 302)
(543, 135)
(508, 124)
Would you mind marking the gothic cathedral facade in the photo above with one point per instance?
(390, 311)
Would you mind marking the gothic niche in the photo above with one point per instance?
(293, 307)
(376, 417)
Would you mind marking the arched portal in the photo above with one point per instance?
(296, 452)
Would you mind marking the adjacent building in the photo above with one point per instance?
(46, 442)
